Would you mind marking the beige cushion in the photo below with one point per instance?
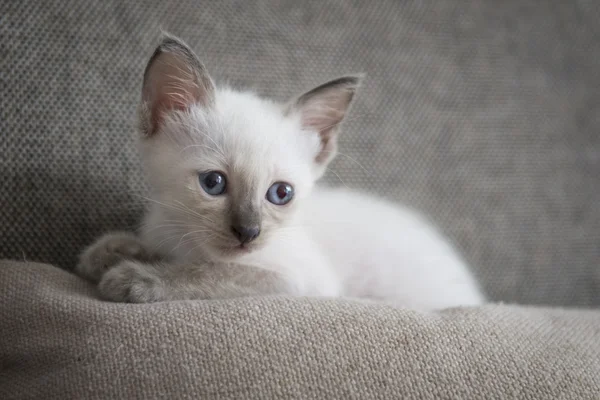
(60, 342)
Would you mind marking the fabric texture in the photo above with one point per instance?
(483, 114)
(60, 342)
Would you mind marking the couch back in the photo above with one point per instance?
(483, 114)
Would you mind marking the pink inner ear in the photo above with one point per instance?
(322, 110)
(323, 115)
(174, 100)
(172, 84)
(177, 99)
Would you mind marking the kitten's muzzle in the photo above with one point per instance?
(245, 234)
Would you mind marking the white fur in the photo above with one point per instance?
(380, 250)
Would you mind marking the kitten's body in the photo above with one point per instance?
(383, 251)
(195, 243)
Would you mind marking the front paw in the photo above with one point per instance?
(107, 252)
(131, 282)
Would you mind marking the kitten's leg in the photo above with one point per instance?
(109, 251)
(139, 282)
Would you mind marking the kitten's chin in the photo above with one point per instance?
(231, 253)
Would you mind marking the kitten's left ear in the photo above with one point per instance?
(174, 79)
(323, 109)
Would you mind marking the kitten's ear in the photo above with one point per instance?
(323, 108)
(174, 79)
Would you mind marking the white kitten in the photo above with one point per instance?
(233, 211)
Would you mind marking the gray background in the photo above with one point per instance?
(484, 114)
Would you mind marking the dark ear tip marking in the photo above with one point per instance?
(353, 80)
(350, 83)
(170, 43)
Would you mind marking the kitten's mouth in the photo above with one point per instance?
(243, 248)
(238, 250)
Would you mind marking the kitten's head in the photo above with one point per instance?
(228, 168)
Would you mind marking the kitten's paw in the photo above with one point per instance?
(107, 252)
(131, 282)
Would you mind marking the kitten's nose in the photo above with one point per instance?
(245, 234)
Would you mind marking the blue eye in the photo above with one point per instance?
(213, 182)
(280, 193)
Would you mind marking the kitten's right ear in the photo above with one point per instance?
(174, 79)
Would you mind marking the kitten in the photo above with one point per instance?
(233, 211)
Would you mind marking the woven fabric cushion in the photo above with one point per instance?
(483, 114)
(60, 342)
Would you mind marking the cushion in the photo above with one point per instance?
(60, 342)
(482, 113)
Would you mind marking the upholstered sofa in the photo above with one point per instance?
(483, 114)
